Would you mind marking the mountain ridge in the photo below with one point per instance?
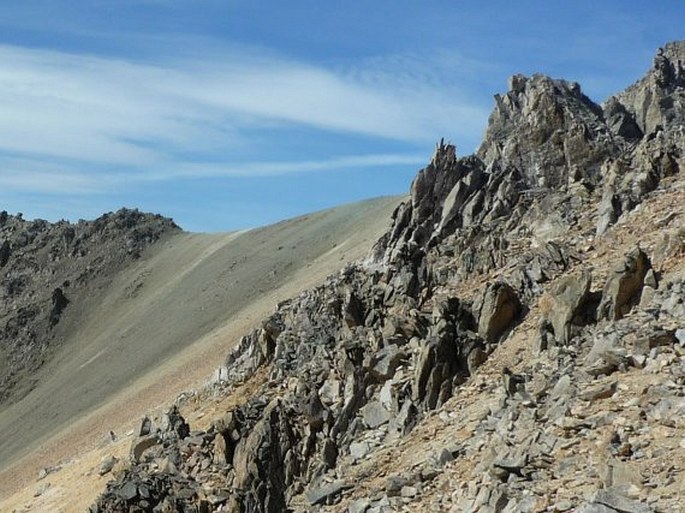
(43, 264)
(342, 373)
(186, 289)
(510, 344)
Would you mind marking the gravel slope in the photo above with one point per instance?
(166, 322)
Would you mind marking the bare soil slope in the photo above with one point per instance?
(190, 288)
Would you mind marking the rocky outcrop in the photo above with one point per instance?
(499, 311)
(656, 101)
(360, 363)
(570, 304)
(345, 375)
(622, 290)
(550, 131)
(649, 113)
(44, 267)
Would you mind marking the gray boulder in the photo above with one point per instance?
(570, 296)
(624, 286)
(500, 310)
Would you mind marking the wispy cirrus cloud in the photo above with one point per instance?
(19, 175)
(74, 124)
(114, 111)
(26, 175)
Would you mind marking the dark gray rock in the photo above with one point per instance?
(386, 361)
(263, 467)
(500, 310)
(618, 503)
(59, 303)
(128, 491)
(143, 444)
(570, 298)
(145, 426)
(375, 414)
(623, 288)
(324, 493)
(394, 485)
(174, 425)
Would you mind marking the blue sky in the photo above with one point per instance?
(231, 114)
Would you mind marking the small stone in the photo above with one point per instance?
(218, 498)
(562, 388)
(386, 395)
(619, 503)
(601, 392)
(375, 414)
(563, 506)
(359, 506)
(639, 360)
(680, 336)
(128, 491)
(387, 360)
(394, 485)
(144, 491)
(46, 471)
(321, 494)
(359, 449)
(650, 279)
(41, 489)
(444, 457)
(408, 492)
(220, 456)
(145, 426)
(107, 465)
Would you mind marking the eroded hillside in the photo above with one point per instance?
(45, 267)
(515, 343)
(152, 331)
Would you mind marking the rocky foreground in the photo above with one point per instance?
(515, 343)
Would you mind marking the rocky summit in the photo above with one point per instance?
(514, 343)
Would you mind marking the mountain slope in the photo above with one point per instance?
(45, 268)
(186, 288)
(509, 297)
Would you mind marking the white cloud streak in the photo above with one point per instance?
(62, 114)
(26, 175)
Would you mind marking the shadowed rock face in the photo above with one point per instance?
(355, 364)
